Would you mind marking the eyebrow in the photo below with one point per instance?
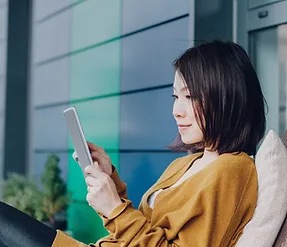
(182, 89)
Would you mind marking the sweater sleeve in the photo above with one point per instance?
(62, 239)
(214, 215)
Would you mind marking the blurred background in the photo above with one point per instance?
(112, 60)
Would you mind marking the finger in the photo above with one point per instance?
(95, 171)
(89, 199)
(91, 146)
(90, 181)
(94, 147)
(97, 167)
(97, 155)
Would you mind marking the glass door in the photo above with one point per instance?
(268, 51)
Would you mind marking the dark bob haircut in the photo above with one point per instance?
(226, 95)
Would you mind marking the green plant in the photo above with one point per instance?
(44, 204)
(24, 195)
(55, 196)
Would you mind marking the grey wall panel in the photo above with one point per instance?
(146, 120)
(2, 115)
(139, 14)
(147, 57)
(2, 95)
(51, 82)
(1, 144)
(2, 58)
(96, 71)
(242, 34)
(99, 118)
(213, 20)
(256, 3)
(39, 161)
(100, 121)
(1, 128)
(50, 131)
(2, 120)
(276, 14)
(52, 37)
(141, 170)
(95, 22)
(3, 40)
(3, 23)
(45, 8)
(1, 134)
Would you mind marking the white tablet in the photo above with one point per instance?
(78, 138)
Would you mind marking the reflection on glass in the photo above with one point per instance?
(268, 50)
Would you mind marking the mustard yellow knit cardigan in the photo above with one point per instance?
(210, 208)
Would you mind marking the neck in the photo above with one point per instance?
(208, 157)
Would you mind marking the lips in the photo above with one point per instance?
(183, 125)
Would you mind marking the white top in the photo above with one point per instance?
(191, 171)
(152, 197)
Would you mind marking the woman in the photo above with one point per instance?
(202, 199)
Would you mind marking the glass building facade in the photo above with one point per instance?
(112, 60)
(114, 65)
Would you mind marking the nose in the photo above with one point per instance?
(178, 109)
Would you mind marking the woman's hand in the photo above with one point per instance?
(100, 156)
(102, 193)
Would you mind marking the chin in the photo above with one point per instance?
(187, 141)
(190, 141)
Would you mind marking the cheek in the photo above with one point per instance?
(173, 109)
(196, 132)
(190, 110)
(193, 135)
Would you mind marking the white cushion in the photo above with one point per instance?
(271, 165)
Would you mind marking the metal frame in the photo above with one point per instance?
(267, 16)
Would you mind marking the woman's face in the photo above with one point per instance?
(184, 114)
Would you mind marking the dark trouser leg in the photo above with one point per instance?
(20, 230)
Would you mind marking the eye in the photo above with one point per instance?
(188, 96)
(174, 97)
